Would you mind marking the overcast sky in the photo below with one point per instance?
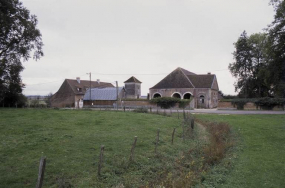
(116, 39)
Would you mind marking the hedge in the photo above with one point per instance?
(264, 103)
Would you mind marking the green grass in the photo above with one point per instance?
(71, 140)
(258, 160)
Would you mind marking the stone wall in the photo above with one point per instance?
(247, 106)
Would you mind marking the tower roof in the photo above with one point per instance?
(132, 80)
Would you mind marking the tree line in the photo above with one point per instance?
(259, 59)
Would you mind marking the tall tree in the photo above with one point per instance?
(242, 67)
(18, 38)
(277, 49)
(250, 64)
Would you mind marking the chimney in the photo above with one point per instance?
(98, 81)
(78, 79)
(209, 73)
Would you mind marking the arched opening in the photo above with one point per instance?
(202, 99)
(156, 95)
(176, 95)
(187, 96)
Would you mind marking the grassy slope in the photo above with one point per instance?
(261, 157)
(71, 142)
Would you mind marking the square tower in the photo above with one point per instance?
(133, 88)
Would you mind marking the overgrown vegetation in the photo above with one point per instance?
(255, 161)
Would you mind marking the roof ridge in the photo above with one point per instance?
(186, 77)
(70, 85)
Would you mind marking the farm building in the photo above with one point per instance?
(133, 88)
(103, 96)
(183, 84)
(71, 92)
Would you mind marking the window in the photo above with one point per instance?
(202, 99)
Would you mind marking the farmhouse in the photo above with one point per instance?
(183, 84)
(71, 92)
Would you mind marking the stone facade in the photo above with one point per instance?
(184, 84)
(133, 88)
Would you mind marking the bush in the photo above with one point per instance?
(184, 102)
(239, 103)
(269, 103)
(140, 110)
(165, 102)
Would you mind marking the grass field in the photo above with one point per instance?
(259, 159)
(71, 139)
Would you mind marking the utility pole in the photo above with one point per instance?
(117, 93)
(90, 87)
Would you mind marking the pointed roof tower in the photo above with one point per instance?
(132, 80)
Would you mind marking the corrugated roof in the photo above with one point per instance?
(109, 93)
(132, 79)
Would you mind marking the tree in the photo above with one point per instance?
(48, 99)
(250, 66)
(242, 67)
(18, 38)
(277, 49)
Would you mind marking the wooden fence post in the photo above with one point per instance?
(178, 114)
(150, 110)
(100, 164)
(183, 132)
(173, 135)
(192, 123)
(41, 172)
(133, 149)
(157, 140)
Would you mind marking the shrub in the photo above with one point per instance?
(269, 103)
(140, 110)
(165, 102)
(239, 103)
(184, 102)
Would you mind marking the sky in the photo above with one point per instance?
(148, 39)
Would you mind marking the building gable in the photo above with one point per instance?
(176, 79)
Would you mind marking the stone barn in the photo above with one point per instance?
(71, 92)
(183, 84)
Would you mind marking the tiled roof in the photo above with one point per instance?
(132, 79)
(202, 81)
(84, 84)
(109, 93)
(182, 78)
(176, 79)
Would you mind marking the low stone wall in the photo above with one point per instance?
(131, 104)
(247, 106)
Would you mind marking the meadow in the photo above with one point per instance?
(71, 140)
